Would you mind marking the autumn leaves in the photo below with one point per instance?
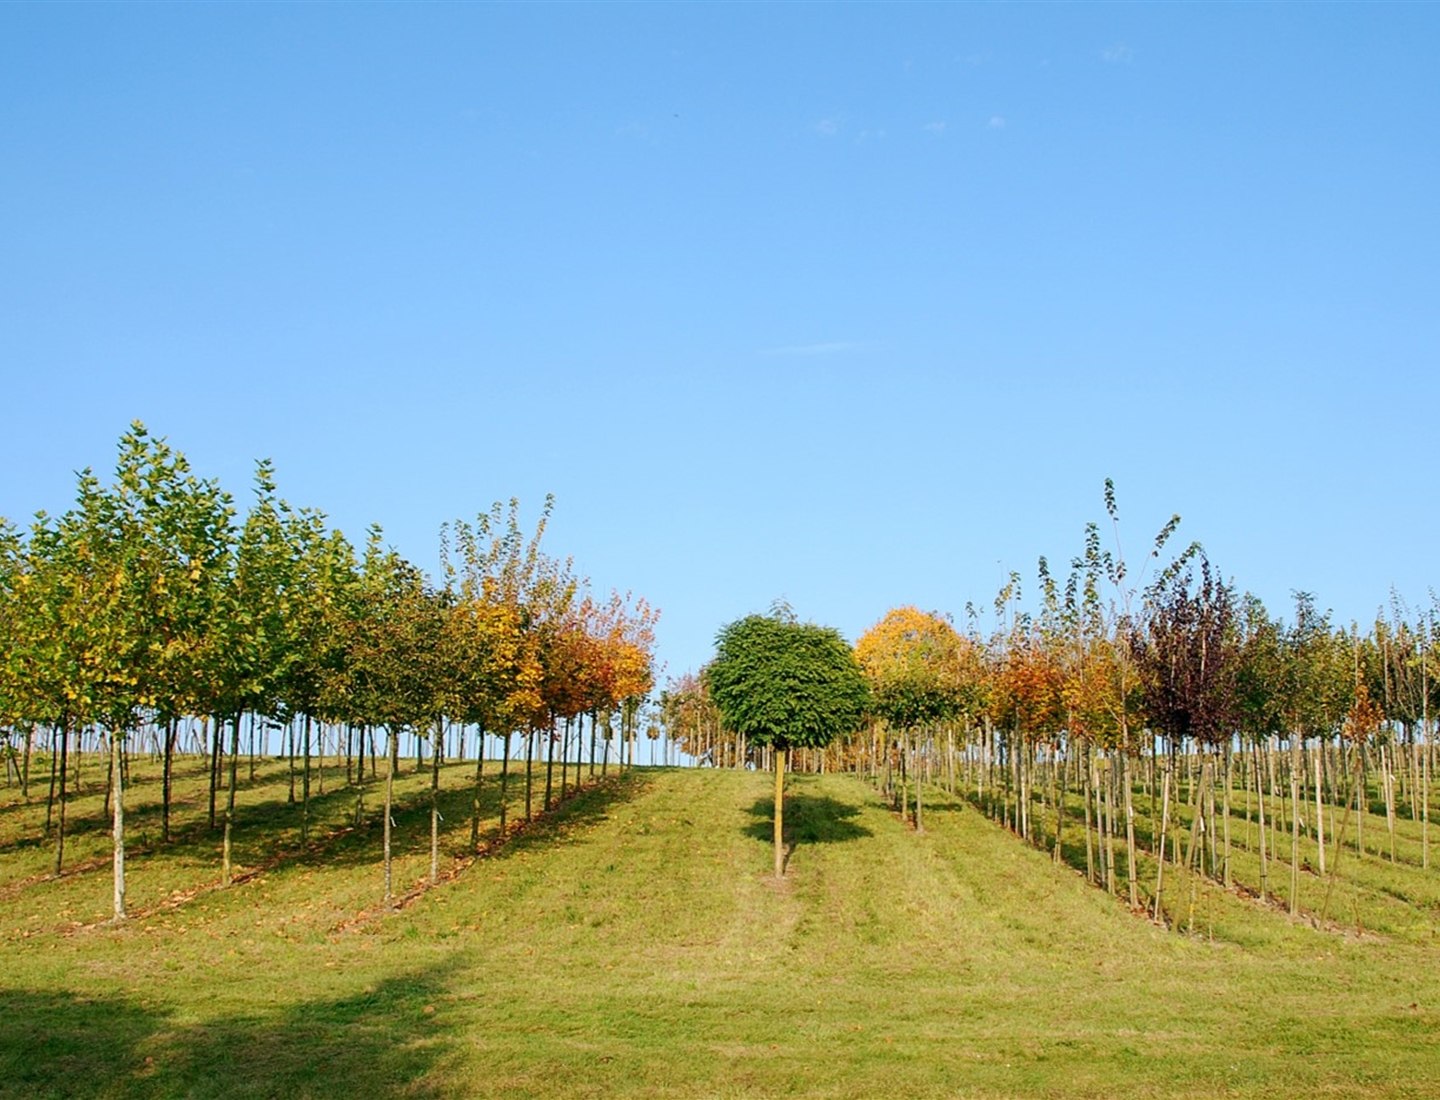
(149, 603)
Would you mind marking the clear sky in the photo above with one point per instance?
(854, 305)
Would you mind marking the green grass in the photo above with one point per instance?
(635, 944)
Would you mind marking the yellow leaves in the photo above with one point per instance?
(912, 646)
(1364, 717)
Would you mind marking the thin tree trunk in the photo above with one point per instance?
(389, 805)
(305, 784)
(475, 801)
(504, 780)
(919, 783)
(564, 756)
(1109, 794)
(779, 812)
(1131, 872)
(1339, 846)
(1058, 801)
(1260, 802)
(64, 731)
(529, 770)
(165, 780)
(214, 737)
(1089, 784)
(1425, 800)
(117, 782)
(1294, 823)
(592, 744)
(549, 763)
(1225, 810)
(1387, 773)
(226, 864)
(1160, 847)
(437, 751)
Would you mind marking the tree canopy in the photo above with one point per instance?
(786, 684)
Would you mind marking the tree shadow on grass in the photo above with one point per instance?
(411, 817)
(577, 814)
(381, 1042)
(809, 819)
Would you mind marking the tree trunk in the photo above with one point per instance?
(1225, 810)
(1089, 785)
(549, 763)
(919, 782)
(25, 771)
(529, 770)
(226, 865)
(1131, 874)
(1339, 846)
(1425, 800)
(214, 764)
(1260, 802)
(165, 780)
(564, 757)
(1294, 824)
(592, 744)
(1058, 801)
(1387, 774)
(64, 731)
(1160, 846)
(437, 751)
(389, 804)
(1108, 828)
(779, 812)
(305, 784)
(504, 779)
(475, 802)
(117, 782)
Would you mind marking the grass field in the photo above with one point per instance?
(634, 943)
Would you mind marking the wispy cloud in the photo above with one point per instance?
(934, 127)
(1117, 53)
(997, 122)
(828, 126)
(833, 347)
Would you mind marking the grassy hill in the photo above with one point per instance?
(634, 943)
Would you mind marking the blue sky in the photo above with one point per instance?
(854, 305)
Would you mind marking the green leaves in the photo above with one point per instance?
(786, 684)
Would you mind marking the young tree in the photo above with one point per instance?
(787, 685)
(915, 664)
(396, 650)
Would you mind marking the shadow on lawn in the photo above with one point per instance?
(809, 819)
(378, 1043)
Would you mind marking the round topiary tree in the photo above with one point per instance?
(787, 685)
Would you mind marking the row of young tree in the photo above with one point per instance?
(1168, 682)
(150, 602)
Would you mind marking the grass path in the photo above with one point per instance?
(636, 945)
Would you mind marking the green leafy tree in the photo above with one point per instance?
(397, 648)
(787, 685)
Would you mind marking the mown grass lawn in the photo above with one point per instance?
(635, 944)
